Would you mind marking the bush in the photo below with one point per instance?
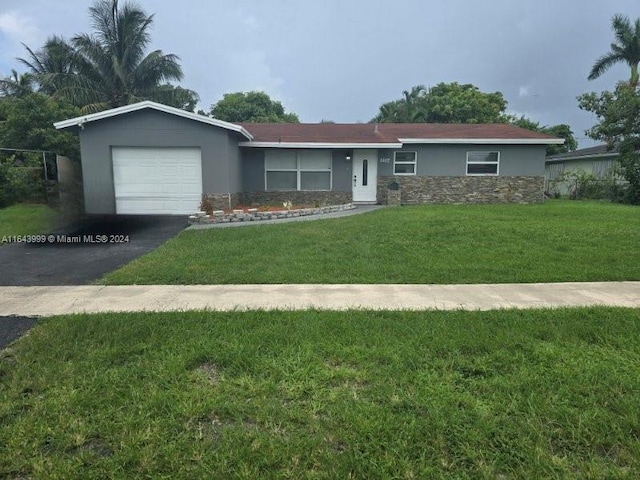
(584, 185)
(206, 205)
(21, 183)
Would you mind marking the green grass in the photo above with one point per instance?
(357, 394)
(554, 242)
(26, 219)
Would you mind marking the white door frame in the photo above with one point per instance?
(364, 179)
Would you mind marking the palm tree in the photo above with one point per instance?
(414, 112)
(109, 67)
(16, 86)
(626, 49)
(55, 57)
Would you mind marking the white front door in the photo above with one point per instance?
(365, 175)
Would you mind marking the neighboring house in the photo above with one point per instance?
(598, 160)
(150, 158)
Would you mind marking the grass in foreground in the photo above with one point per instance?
(555, 242)
(503, 394)
(26, 219)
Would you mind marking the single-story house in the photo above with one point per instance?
(151, 158)
(598, 160)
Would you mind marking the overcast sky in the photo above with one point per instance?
(341, 59)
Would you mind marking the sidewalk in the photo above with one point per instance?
(44, 301)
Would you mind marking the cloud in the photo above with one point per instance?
(523, 91)
(15, 29)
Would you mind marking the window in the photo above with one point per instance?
(404, 163)
(365, 172)
(483, 163)
(297, 170)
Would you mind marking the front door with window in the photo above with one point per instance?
(365, 175)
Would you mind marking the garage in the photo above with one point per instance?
(157, 180)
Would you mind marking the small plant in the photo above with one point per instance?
(206, 205)
(583, 185)
(264, 208)
(288, 205)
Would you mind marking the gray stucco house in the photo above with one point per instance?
(148, 158)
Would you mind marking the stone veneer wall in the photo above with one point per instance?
(302, 197)
(221, 201)
(499, 189)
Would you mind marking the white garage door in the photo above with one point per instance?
(157, 180)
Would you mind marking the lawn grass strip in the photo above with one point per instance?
(375, 394)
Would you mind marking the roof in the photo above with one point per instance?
(596, 151)
(134, 107)
(387, 135)
(345, 135)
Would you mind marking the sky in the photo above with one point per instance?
(340, 60)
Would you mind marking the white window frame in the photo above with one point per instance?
(299, 172)
(414, 163)
(484, 162)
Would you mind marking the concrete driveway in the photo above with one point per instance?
(86, 251)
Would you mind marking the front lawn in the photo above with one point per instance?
(555, 242)
(26, 219)
(357, 394)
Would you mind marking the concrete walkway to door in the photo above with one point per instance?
(44, 301)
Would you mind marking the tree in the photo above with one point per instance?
(16, 85)
(251, 107)
(178, 97)
(618, 115)
(444, 103)
(109, 68)
(455, 103)
(625, 49)
(27, 123)
(55, 57)
(393, 112)
(561, 130)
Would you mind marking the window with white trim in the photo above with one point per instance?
(483, 163)
(404, 163)
(297, 170)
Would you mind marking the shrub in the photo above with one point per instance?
(206, 205)
(583, 185)
(23, 183)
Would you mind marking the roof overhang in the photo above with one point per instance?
(318, 145)
(485, 141)
(84, 119)
(583, 157)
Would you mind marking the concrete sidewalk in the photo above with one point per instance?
(43, 301)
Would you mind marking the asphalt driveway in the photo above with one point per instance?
(86, 251)
(12, 328)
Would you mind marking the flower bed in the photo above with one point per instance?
(256, 215)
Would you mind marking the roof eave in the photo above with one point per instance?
(82, 120)
(583, 157)
(485, 141)
(318, 145)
